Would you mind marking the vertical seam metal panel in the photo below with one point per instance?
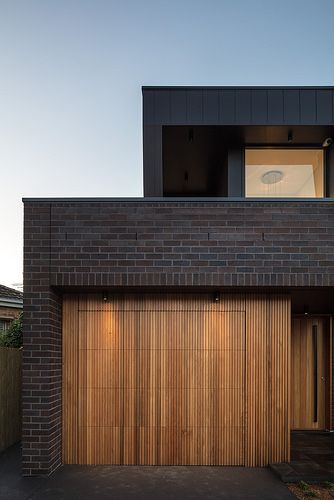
(296, 103)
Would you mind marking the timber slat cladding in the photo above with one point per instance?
(176, 379)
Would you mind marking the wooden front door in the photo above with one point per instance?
(309, 337)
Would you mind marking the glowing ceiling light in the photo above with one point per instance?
(272, 177)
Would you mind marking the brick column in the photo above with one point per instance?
(41, 396)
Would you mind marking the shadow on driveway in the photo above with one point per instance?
(142, 483)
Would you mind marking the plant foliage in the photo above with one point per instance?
(12, 337)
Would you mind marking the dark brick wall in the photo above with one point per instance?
(143, 243)
(167, 243)
(41, 396)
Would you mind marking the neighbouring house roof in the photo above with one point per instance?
(10, 297)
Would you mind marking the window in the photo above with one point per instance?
(284, 173)
(4, 324)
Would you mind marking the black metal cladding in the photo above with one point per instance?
(243, 107)
(238, 106)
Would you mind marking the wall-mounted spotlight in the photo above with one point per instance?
(290, 136)
(191, 135)
(306, 310)
(327, 142)
(105, 296)
(217, 296)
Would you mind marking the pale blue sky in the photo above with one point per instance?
(71, 73)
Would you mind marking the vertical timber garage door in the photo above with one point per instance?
(152, 380)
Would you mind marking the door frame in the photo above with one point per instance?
(329, 426)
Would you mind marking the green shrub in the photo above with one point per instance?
(312, 494)
(12, 337)
(303, 486)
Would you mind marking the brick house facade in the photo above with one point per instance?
(158, 244)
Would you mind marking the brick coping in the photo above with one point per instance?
(169, 199)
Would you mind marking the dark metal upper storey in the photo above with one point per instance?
(238, 105)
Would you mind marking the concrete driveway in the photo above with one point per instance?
(143, 483)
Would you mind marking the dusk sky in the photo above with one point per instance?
(71, 73)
